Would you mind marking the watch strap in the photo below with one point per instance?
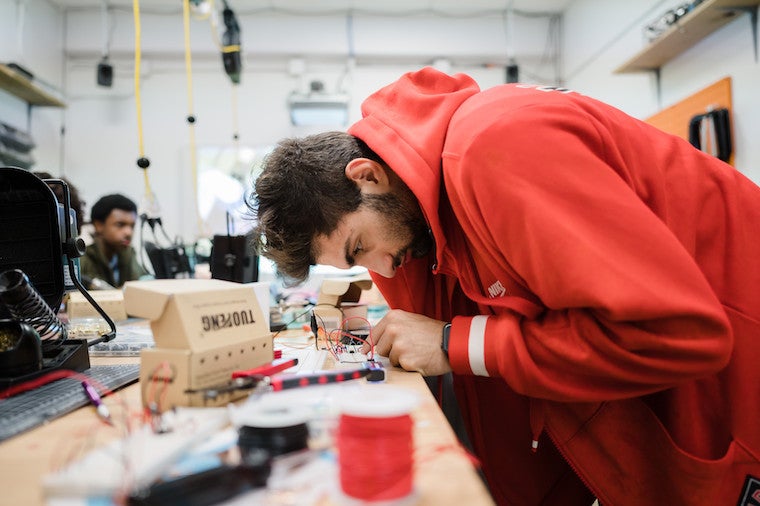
(445, 333)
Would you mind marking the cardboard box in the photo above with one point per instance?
(110, 301)
(204, 330)
(338, 300)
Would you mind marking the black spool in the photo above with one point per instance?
(273, 441)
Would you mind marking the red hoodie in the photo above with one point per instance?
(603, 283)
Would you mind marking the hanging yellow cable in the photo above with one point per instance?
(191, 115)
(142, 161)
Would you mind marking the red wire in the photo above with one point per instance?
(375, 457)
(329, 342)
(49, 378)
(162, 374)
(431, 453)
(344, 324)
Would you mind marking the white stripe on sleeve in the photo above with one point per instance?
(476, 345)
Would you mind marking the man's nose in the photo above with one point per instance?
(382, 264)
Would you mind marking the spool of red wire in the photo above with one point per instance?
(375, 446)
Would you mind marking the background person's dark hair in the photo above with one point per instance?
(108, 203)
(303, 192)
(75, 201)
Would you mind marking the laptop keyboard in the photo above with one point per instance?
(27, 410)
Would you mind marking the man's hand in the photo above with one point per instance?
(411, 341)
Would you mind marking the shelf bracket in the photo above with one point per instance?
(753, 20)
(658, 86)
(752, 11)
(29, 117)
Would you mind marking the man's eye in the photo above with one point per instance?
(358, 248)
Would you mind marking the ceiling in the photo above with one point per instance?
(461, 7)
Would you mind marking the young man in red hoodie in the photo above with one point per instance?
(592, 283)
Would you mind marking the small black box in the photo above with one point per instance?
(105, 74)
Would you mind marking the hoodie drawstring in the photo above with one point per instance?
(537, 421)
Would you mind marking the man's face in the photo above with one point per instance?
(381, 235)
(117, 230)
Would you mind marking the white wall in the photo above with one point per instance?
(100, 147)
(600, 36)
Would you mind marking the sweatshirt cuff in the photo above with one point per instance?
(467, 345)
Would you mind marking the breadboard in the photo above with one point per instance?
(311, 360)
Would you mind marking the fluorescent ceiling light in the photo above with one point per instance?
(318, 109)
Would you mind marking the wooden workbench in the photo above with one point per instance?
(443, 474)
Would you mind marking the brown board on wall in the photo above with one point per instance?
(675, 119)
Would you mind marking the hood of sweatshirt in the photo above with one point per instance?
(406, 123)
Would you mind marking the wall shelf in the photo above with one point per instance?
(690, 29)
(25, 89)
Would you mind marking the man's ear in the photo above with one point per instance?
(368, 175)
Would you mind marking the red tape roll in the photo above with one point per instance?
(375, 457)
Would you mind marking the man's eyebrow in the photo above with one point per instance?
(349, 257)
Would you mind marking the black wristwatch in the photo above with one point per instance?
(445, 339)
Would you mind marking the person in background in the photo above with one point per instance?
(591, 281)
(75, 201)
(111, 257)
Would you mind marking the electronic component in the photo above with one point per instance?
(355, 336)
(376, 371)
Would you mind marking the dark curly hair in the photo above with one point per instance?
(303, 192)
(103, 207)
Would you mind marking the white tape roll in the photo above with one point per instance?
(379, 400)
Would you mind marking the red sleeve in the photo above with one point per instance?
(629, 311)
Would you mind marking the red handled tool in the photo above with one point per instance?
(267, 370)
(264, 379)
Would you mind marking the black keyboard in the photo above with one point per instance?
(30, 409)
